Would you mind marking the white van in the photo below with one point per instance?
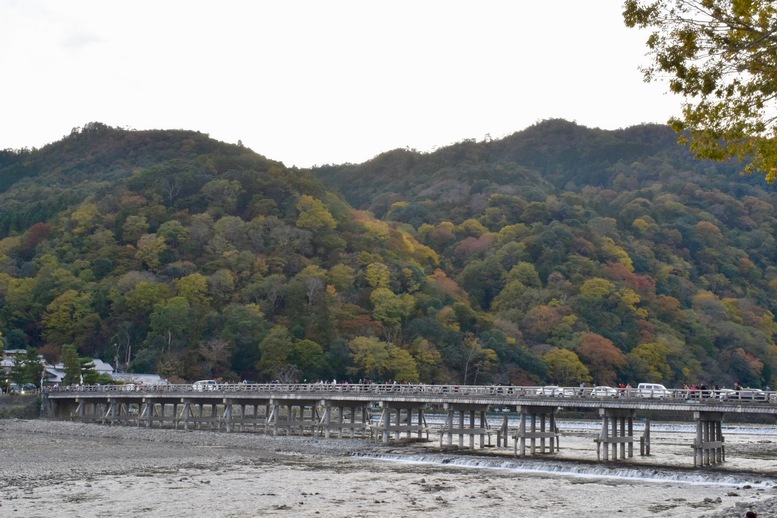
(201, 385)
(652, 390)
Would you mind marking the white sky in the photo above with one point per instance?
(320, 81)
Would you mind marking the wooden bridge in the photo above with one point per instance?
(388, 412)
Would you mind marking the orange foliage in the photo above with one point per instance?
(449, 286)
(643, 284)
(471, 246)
(602, 357)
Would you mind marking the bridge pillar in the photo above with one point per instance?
(618, 432)
(227, 415)
(299, 415)
(149, 409)
(345, 418)
(62, 408)
(188, 413)
(708, 446)
(397, 418)
(542, 426)
(118, 411)
(466, 427)
(88, 409)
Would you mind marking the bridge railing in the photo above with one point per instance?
(396, 389)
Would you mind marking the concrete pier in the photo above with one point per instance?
(199, 414)
(617, 433)
(347, 419)
(708, 446)
(293, 417)
(471, 423)
(396, 418)
(542, 426)
(242, 414)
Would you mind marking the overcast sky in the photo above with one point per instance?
(320, 81)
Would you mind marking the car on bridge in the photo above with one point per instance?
(556, 391)
(653, 390)
(752, 394)
(743, 394)
(604, 391)
(203, 385)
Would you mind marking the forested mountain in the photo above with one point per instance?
(615, 248)
(560, 253)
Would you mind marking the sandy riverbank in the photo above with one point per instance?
(50, 468)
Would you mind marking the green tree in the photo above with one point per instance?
(150, 247)
(193, 288)
(72, 365)
(27, 369)
(651, 360)
(721, 56)
(171, 320)
(382, 361)
(391, 309)
(68, 317)
(477, 359)
(89, 374)
(243, 327)
(310, 358)
(133, 227)
(222, 192)
(275, 349)
(377, 275)
(313, 215)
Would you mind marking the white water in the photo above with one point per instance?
(573, 469)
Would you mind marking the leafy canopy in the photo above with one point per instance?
(721, 55)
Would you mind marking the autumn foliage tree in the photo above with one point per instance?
(565, 368)
(603, 359)
(721, 56)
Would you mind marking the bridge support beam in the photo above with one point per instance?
(118, 411)
(397, 418)
(617, 433)
(708, 446)
(471, 422)
(87, 410)
(194, 414)
(347, 419)
(291, 416)
(542, 426)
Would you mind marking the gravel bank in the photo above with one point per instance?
(64, 469)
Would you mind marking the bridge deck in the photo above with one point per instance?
(679, 401)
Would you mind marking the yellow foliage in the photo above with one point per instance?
(9, 243)
(84, 218)
(472, 227)
(617, 253)
(377, 275)
(597, 288)
(640, 224)
(447, 317)
(313, 215)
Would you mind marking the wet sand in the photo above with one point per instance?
(65, 469)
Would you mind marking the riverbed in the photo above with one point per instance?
(67, 469)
